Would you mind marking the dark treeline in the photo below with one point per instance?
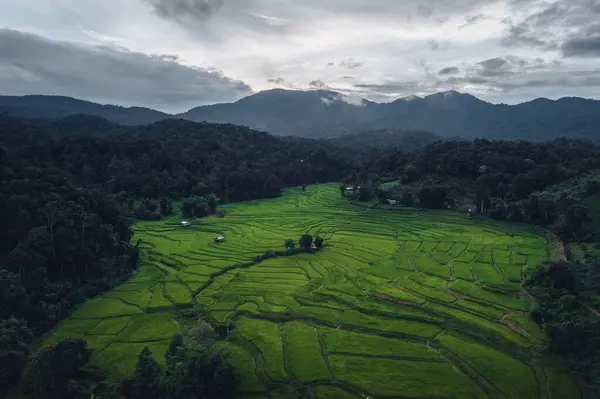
(59, 245)
(173, 158)
(507, 179)
(568, 306)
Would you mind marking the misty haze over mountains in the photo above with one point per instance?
(326, 114)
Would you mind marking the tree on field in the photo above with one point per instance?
(290, 244)
(147, 380)
(166, 206)
(211, 202)
(174, 349)
(58, 372)
(432, 195)
(202, 333)
(304, 187)
(319, 242)
(407, 198)
(342, 189)
(147, 209)
(365, 193)
(202, 373)
(411, 173)
(306, 241)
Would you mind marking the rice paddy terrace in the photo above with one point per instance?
(399, 304)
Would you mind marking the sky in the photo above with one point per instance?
(173, 55)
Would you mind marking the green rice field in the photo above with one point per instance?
(399, 303)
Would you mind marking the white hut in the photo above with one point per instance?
(219, 239)
(185, 223)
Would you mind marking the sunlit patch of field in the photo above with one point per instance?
(400, 303)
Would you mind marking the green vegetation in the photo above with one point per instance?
(566, 306)
(353, 311)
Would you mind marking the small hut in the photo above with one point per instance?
(392, 202)
(185, 223)
(219, 239)
(313, 247)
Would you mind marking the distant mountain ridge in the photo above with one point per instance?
(327, 114)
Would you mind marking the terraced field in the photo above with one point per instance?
(399, 304)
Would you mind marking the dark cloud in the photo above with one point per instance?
(30, 64)
(586, 47)
(178, 10)
(330, 64)
(556, 21)
(473, 19)
(449, 71)
(350, 63)
(495, 67)
(317, 84)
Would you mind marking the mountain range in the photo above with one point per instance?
(327, 114)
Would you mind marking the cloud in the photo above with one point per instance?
(30, 64)
(551, 22)
(350, 63)
(585, 47)
(433, 44)
(473, 19)
(337, 98)
(179, 10)
(399, 47)
(449, 71)
(317, 84)
(278, 81)
(494, 67)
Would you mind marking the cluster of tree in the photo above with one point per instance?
(59, 243)
(567, 297)
(173, 158)
(199, 206)
(305, 243)
(151, 209)
(508, 179)
(194, 369)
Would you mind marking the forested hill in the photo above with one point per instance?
(326, 114)
(173, 158)
(56, 107)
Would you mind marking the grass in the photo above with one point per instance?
(341, 341)
(502, 370)
(266, 336)
(385, 377)
(332, 392)
(363, 317)
(303, 352)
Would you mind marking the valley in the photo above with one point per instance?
(400, 303)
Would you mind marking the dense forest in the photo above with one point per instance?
(70, 190)
(507, 180)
